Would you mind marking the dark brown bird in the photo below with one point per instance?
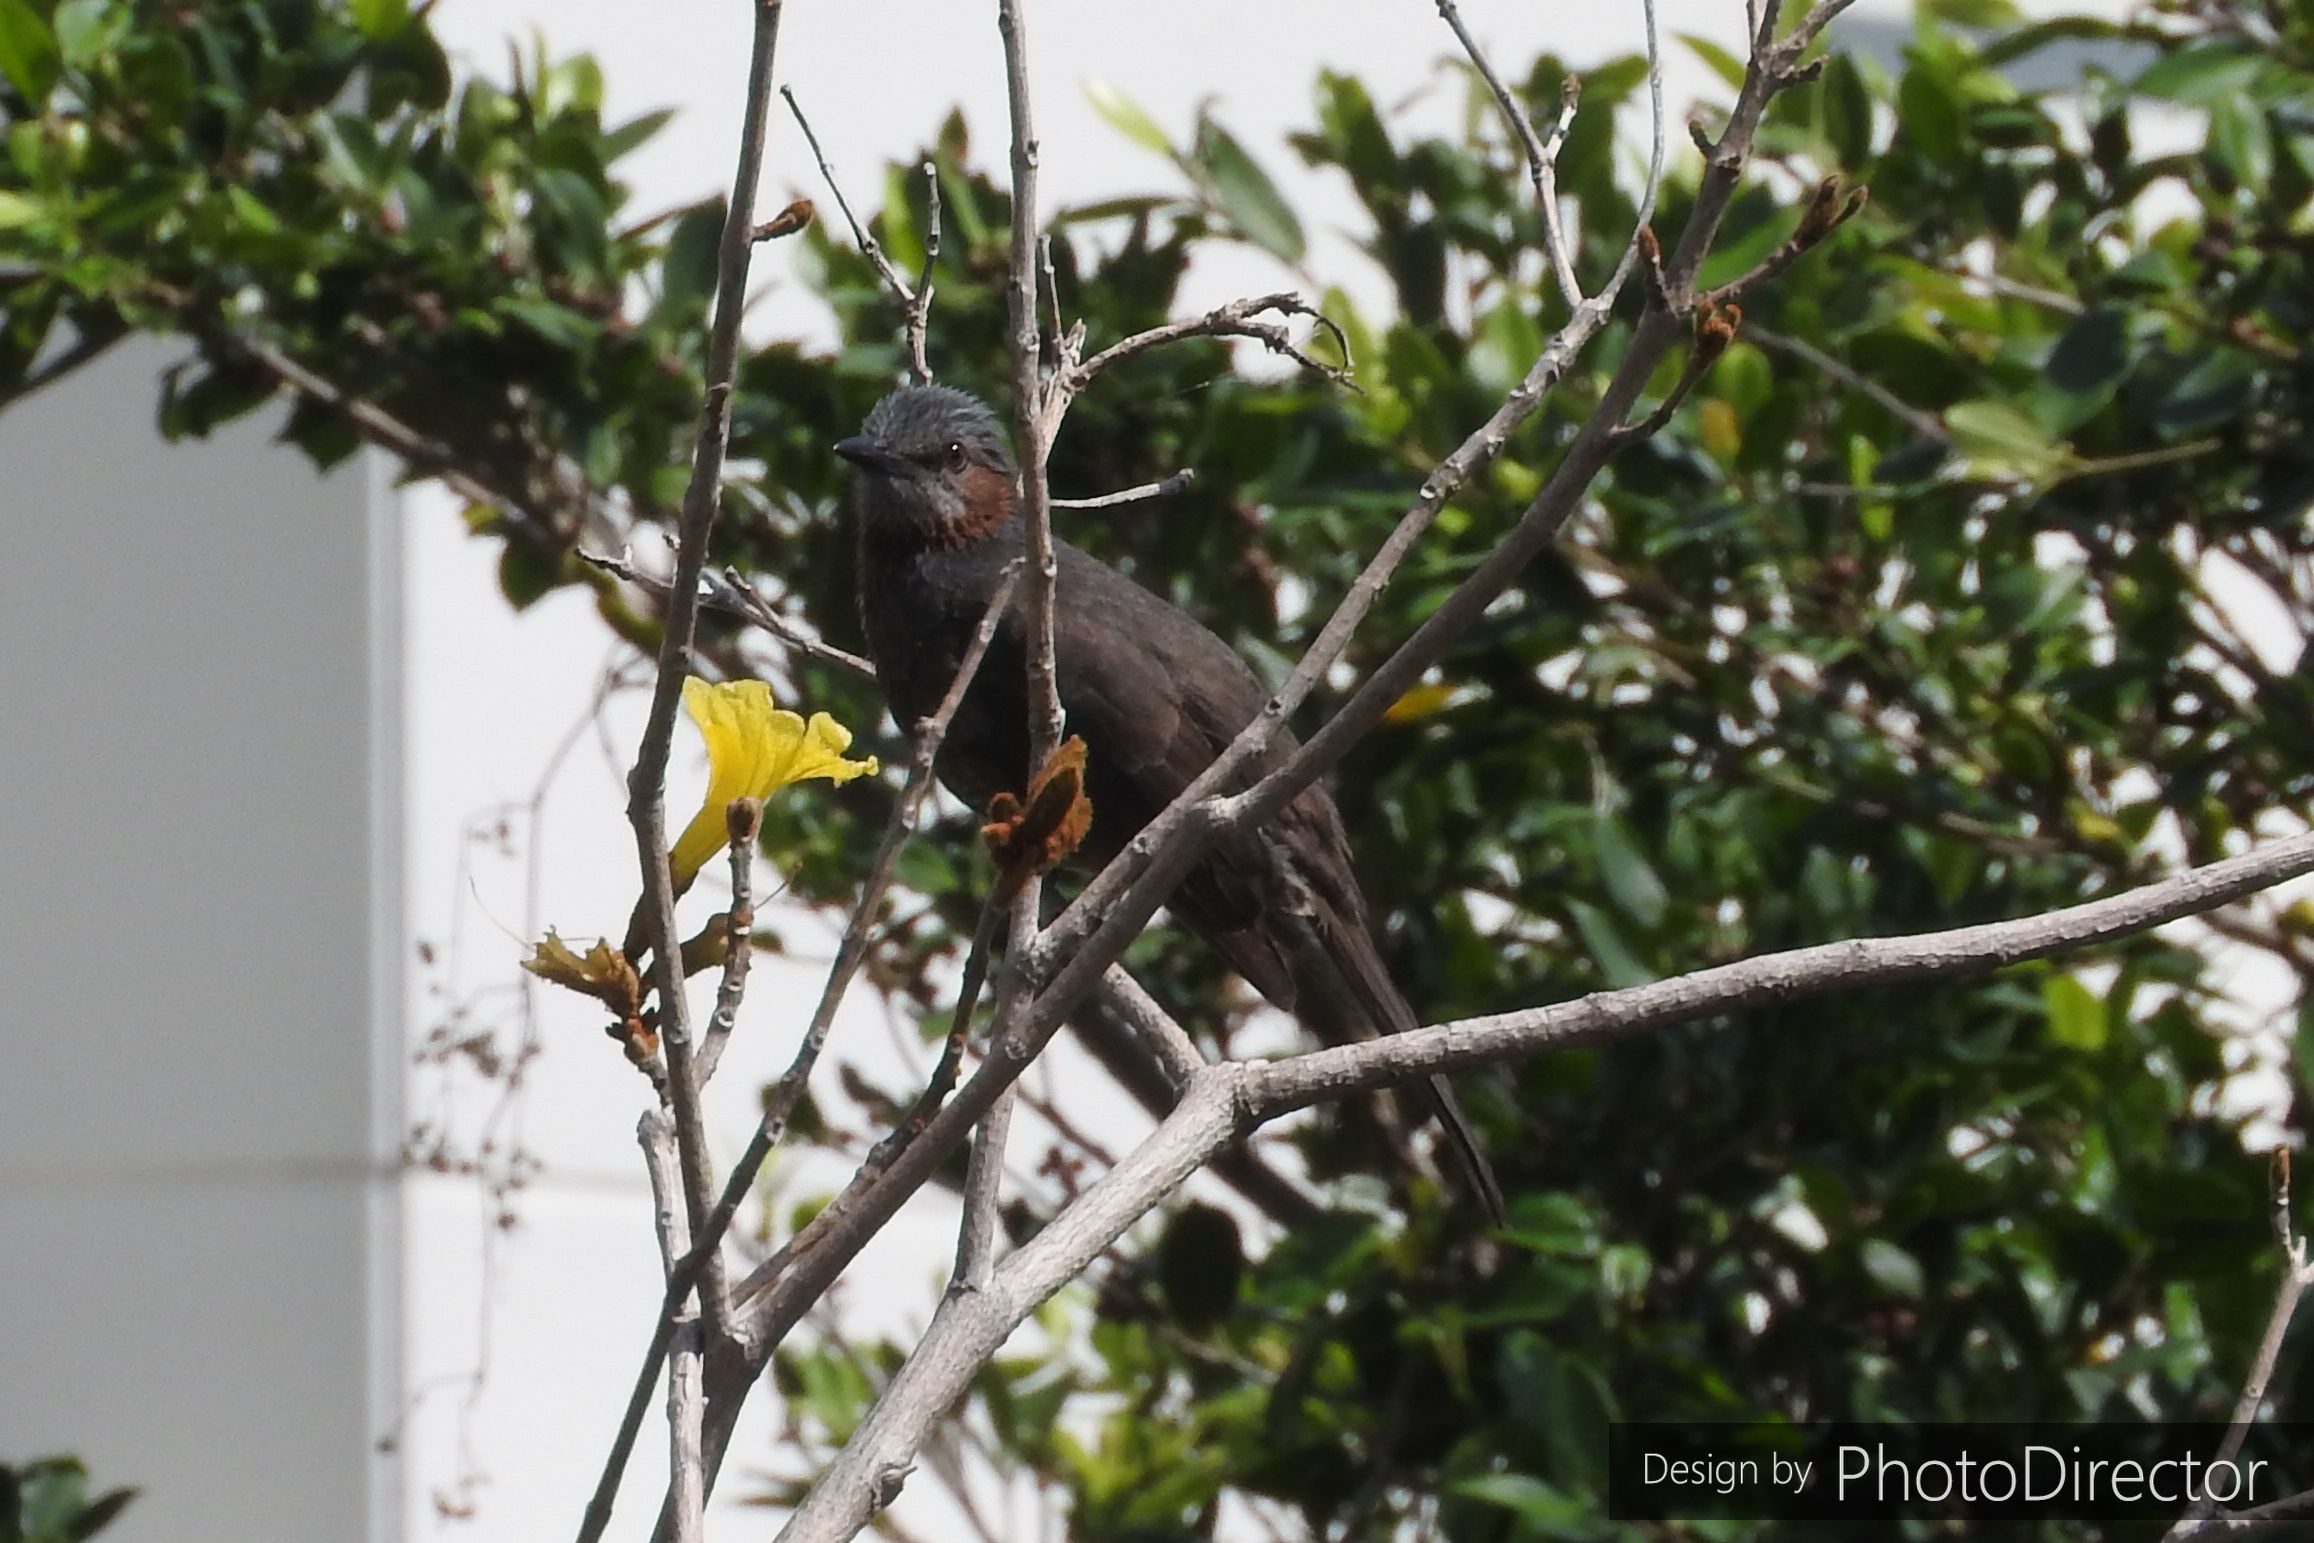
(1155, 696)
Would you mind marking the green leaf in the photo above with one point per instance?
(1125, 116)
(1248, 199)
(1998, 440)
(16, 209)
(29, 56)
(380, 19)
(1546, 1511)
(2241, 143)
(1717, 59)
(1847, 112)
(526, 574)
(2217, 389)
(1630, 881)
(102, 1512)
(1893, 1269)
(687, 274)
(2085, 369)
(2203, 75)
(1356, 134)
(2076, 1014)
(250, 212)
(1929, 115)
(1972, 13)
(88, 29)
(1608, 950)
(634, 133)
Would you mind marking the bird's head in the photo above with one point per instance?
(933, 466)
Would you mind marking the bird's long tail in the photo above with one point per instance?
(1339, 953)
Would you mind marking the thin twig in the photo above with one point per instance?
(942, 1082)
(647, 783)
(1925, 425)
(1234, 320)
(731, 593)
(1828, 208)
(1542, 154)
(2297, 1275)
(869, 247)
(1715, 329)
(915, 299)
(745, 819)
(1168, 1043)
(1147, 490)
(920, 304)
(383, 429)
(738, 595)
(687, 1488)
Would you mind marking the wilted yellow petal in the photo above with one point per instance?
(753, 750)
(602, 973)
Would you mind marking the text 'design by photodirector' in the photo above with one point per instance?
(1947, 1472)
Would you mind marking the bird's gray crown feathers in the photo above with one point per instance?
(920, 423)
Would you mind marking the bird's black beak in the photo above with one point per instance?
(868, 455)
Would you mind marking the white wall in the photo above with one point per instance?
(198, 922)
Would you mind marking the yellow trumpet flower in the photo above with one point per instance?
(753, 750)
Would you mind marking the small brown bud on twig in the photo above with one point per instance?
(1715, 329)
(742, 818)
(785, 223)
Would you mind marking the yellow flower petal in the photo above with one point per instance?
(753, 750)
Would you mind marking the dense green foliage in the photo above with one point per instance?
(1915, 637)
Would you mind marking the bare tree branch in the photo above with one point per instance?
(1167, 1041)
(984, 1167)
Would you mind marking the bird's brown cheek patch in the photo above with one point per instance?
(988, 500)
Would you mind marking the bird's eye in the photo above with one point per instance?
(954, 455)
